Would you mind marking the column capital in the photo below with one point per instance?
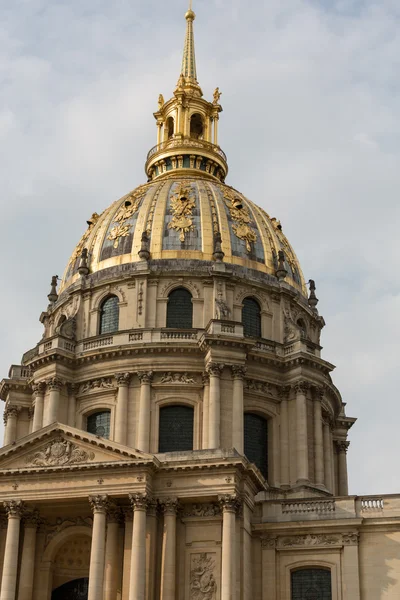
(301, 387)
(99, 504)
(284, 391)
(54, 384)
(215, 369)
(123, 379)
(229, 503)
(342, 446)
(32, 519)
(268, 541)
(114, 513)
(238, 371)
(72, 389)
(319, 392)
(38, 388)
(351, 538)
(11, 411)
(205, 378)
(169, 506)
(139, 501)
(14, 508)
(145, 376)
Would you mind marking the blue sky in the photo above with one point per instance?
(311, 127)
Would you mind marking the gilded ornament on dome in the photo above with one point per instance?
(216, 96)
(82, 242)
(161, 101)
(182, 206)
(241, 214)
(119, 232)
(130, 207)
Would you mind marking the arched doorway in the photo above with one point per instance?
(73, 590)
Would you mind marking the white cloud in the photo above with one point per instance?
(311, 129)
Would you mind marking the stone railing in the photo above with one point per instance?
(225, 328)
(317, 509)
(310, 506)
(19, 372)
(182, 143)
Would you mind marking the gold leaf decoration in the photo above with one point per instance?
(82, 242)
(241, 215)
(182, 205)
(129, 207)
(118, 232)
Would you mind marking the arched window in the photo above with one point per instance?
(302, 328)
(256, 441)
(180, 309)
(73, 590)
(170, 127)
(176, 428)
(196, 127)
(109, 315)
(311, 584)
(99, 424)
(251, 318)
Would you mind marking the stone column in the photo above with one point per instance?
(168, 559)
(112, 554)
(27, 571)
(137, 583)
(38, 391)
(10, 418)
(341, 449)
(268, 567)
(216, 119)
(14, 509)
(229, 505)
(54, 384)
(97, 552)
(143, 436)
(214, 371)
(238, 373)
(328, 466)
(284, 435)
(301, 388)
(206, 410)
(351, 573)
(151, 548)
(318, 437)
(159, 126)
(121, 416)
(72, 390)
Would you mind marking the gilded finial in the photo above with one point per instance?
(216, 96)
(190, 14)
(161, 101)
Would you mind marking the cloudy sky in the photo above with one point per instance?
(311, 126)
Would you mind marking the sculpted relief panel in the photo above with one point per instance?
(58, 453)
(203, 585)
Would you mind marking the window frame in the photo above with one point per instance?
(174, 290)
(267, 419)
(98, 411)
(259, 315)
(161, 401)
(101, 304)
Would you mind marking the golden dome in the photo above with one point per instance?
(181, 216)
(186, 212)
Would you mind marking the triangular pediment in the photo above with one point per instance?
(58, 446)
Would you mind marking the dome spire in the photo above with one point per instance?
(188, 69)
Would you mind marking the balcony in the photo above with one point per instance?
(189, 143)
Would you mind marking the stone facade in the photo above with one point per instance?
(90, 506)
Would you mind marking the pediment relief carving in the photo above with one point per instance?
(66, 449)
(59, 452)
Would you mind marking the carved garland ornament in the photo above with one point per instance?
(310, 540)
(130, 207)
(203, 585)
(241, 215)
(182, 205)
(96, 384)
(207, 509)
(177, 378)
(58, 453)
